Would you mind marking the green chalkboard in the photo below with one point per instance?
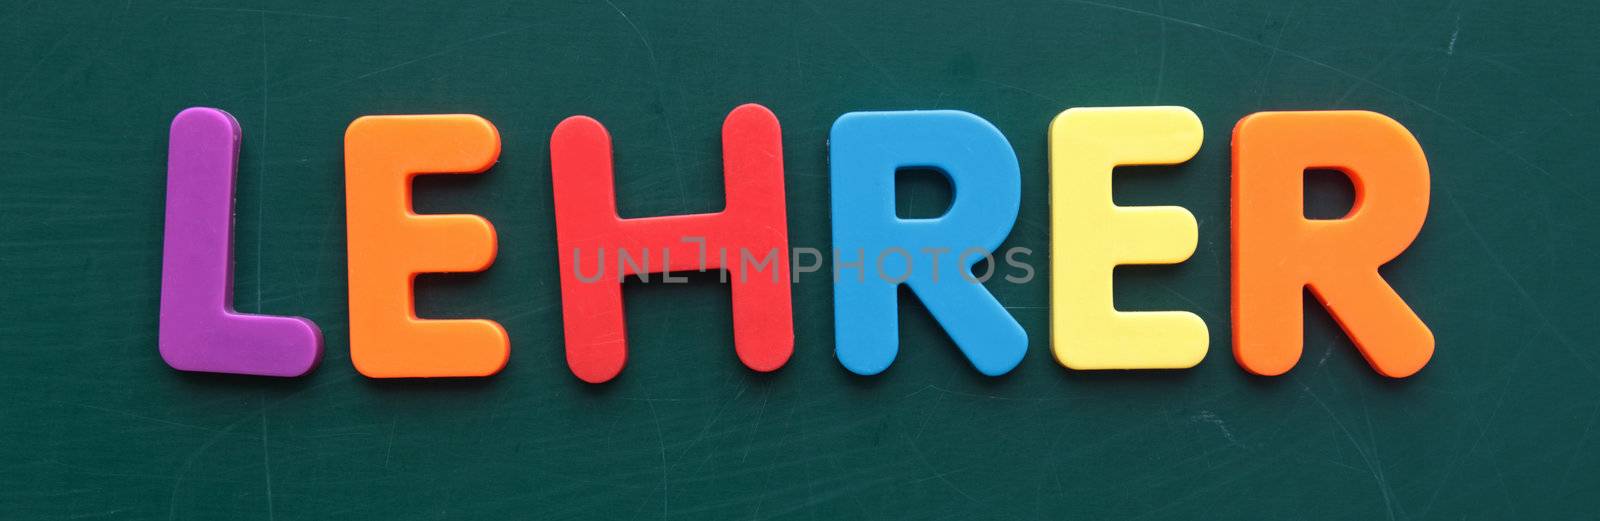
(1501, 424)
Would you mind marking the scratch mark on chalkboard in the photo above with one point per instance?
(266, 461)
(1394, 52)
(845, 37)
(1212, 418)
(707, 428)
(44, 57)
(647, 48)
(943, 477)
(1577, 450)
(530, 311)
(1377, 457)
(661, 444)
(1516, 284)
(177, 479)
(756, 430)
(1020, 89)
(1195, 307)
(1161, 70)
(142, 417)
(1277, 48)
(388, 447)
(1374, 468)
(261, 175)
(661, 103)
(931, 387)
(794, 43)
(1483, 429)
(1451, 50)
(928, 414)
(441, 52)
(263, 12)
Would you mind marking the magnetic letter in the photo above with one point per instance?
(1277, 251)
(1091, 235)
(390, 244)
(199, 329)
(753, 225)
(866, 149)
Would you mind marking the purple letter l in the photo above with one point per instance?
(199, 329)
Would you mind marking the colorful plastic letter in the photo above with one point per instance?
(389, 244)
(1091, 235)
(199, 329)
(749, 239)
(934, 256)
(1277, 251)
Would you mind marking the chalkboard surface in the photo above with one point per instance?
(1500, 425)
